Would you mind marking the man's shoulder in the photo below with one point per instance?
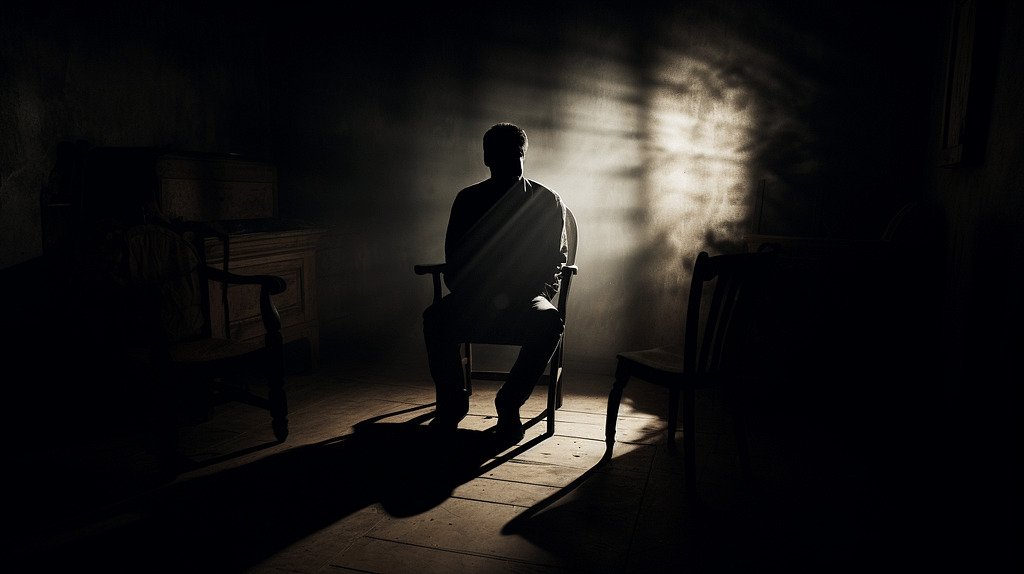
(479, 189)
(472, 195)
(543, 190)
(476, 187)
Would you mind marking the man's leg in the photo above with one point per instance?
(445, 361)
(543, 328)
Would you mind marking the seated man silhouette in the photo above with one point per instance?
(504, 249)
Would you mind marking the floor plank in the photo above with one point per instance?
(316, 552)
(390, 557)
(363, 485)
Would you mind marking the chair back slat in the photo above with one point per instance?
(571, 236)
(720, 318)
(729, 313)
(571, 241)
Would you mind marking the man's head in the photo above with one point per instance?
(505, 149)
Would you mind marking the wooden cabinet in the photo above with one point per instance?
(234, 193)
(290, 255)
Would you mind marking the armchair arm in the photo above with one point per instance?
(435, 269)
(430, 268)
(568, 271)
(269, 285)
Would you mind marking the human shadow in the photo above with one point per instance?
(233, 519)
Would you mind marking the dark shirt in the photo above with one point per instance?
(506, 244)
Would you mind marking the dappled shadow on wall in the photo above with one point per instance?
(658, 151)
(650, 148)
(654, 131)
(695, 187)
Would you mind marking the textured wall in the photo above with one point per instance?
(141, 74)
(654, 126)
(982, 205)
(978, 321)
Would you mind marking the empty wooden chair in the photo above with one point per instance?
(167, 298)
(706, 358)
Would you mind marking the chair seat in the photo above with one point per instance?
(664, 366)
(668, 359)
(205, 350)
(199, 351)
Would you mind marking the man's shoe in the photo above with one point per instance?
(509, 430)
(446, 420)
(444, 424)
(448, 414)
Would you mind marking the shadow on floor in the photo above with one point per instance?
(235, 518)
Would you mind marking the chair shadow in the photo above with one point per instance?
(233, 519)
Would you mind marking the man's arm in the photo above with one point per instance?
(457, 228)
(560, 257)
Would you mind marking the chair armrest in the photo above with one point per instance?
(430, 268)
(568, 271)
(435, 269)
(271, 283)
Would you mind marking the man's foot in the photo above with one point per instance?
(444, 424)
(448, 414)
(509, 430)
(447, 419)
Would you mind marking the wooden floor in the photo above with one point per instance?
(361, 485)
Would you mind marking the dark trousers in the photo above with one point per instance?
(536, 326)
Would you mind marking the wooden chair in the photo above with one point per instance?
(705, 359)
(554, 378)
(168, 320)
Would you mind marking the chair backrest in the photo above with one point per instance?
(164, 279)
(571, 236)
(894, 223)
(717, 350)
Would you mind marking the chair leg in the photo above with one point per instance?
(614, 398)
(673, 416)
(554, 386)
(278, 409)
(163, 424)
(741, 446)
(553, 383)
(556, 371)
(468, 366)
(689, 443)
(276, 396)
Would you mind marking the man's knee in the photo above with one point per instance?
(547, 325)
(435, 324)
(547, 319)
(553, 321)
(443, 320)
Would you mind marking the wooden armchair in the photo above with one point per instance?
(166, 297)
(716, 336)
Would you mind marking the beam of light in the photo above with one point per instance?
(652, 156)
(656, 140)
